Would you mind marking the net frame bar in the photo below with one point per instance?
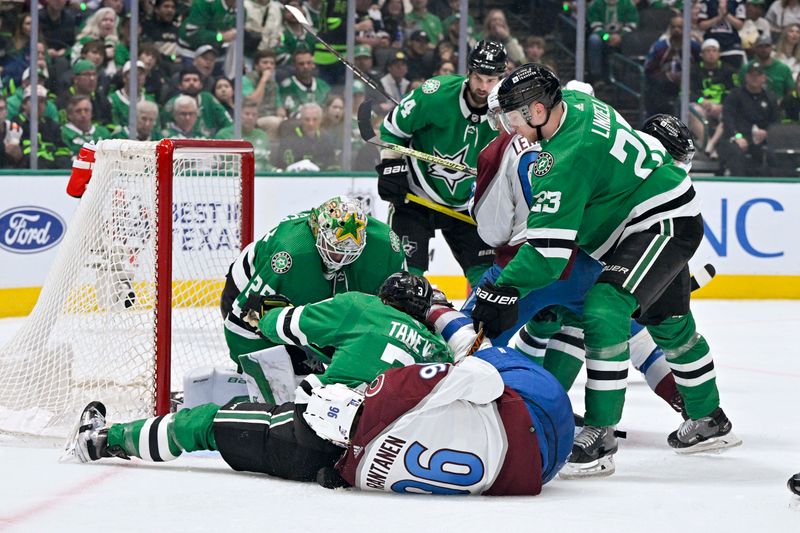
(165, 158)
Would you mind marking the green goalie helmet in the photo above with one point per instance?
(340, 228)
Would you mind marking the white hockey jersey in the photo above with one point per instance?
(502, 198)
(444, 429)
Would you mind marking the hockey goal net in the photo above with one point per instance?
(132, 300)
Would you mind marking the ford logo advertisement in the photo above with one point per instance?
(30, 229)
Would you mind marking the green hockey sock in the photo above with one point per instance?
(691, 363)
(606, 321)
(164, 438)
(565, 350)
(532, 339)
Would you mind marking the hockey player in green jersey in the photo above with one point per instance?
(366, 334)
(309, 257)
(445, 116)
(615, 193)
(371, 334)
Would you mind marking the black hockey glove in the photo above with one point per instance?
(257, 306)
(329, 478)
(496, 307)
(392, 180)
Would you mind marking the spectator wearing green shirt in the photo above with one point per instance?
(211, 114)
(185, 123)
(420, 18)
(120, 99)
(253, 134)
(303, 145)
(208, 22)
(146, 123)
(79, 128)
(779, 76)
(609, 21)
(303, 87)
(294, 37)
(52, 152)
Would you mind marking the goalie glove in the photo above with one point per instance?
(497, 308)
(257, 306)
(392, 180)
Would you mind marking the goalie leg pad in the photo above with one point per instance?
(269, 375)
(209, 384)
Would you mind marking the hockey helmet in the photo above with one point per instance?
(488, 58)
(408, 293)
(674, 135)
(525, 85)
(331, 412)
(494, 111)
(340, 228)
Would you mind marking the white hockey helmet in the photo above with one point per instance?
(331, 412)
(575, 85)
(340, 228)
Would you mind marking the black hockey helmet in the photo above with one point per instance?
(526, 84)
(408, 293)
(488, 57)
(673, 134)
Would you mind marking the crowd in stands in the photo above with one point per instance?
(745, 67)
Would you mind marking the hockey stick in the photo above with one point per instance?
(478, 340)
(303, 21)
(700, 279)
(369, 135)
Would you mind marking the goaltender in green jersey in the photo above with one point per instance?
(309, 257)
(446, 117)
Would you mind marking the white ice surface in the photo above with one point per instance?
(653, 490)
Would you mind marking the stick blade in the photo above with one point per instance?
(365, 120)
(298, 15)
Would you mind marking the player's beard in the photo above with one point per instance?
(478, 101)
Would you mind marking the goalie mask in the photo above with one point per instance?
(340, 229)
(331, 412)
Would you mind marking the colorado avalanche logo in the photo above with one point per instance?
(281, 262)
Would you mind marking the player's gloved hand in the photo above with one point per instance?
(329, 478)
(496, 307)
(392, 180)
(257, 306)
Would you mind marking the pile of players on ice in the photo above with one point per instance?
(360, 374)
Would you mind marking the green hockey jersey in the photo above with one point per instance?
(436, 119)
(596, 181)
(286, 261)
(369, 337)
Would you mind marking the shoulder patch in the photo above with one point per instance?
(543, 164)
(430, 86)
(394, 240)
(281, 262)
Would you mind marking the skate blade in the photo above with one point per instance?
(714, 445)
(603, 467)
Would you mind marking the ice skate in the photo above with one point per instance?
(592, 453)
(794, 484)
(89, 440)
(712, 432)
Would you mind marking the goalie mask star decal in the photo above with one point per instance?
(352, 228)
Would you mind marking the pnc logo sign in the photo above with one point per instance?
(30, 229)
(741, 223)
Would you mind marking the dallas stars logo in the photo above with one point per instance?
(451, 178)
(543, 164)
(281, 262)
(352, 228)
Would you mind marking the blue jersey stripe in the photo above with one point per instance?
(455, 325)
(525, 162)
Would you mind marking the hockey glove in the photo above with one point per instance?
(257, 306)
(496, 307)
(392, 180)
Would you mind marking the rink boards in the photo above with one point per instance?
(750, 232)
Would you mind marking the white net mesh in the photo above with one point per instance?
(92, 333)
